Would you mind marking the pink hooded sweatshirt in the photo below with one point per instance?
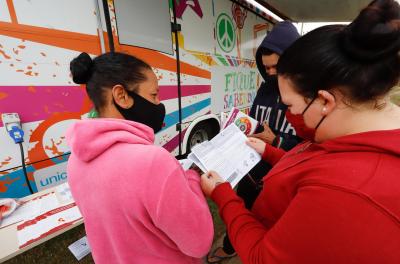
(138, 204)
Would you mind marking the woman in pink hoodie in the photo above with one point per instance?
(138, 204)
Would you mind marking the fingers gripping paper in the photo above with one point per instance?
(227, 154)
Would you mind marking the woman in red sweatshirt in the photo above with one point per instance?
(335, 198)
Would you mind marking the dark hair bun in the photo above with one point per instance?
(81, 68)
(375, 33)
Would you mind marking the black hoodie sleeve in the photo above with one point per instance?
(288, 141)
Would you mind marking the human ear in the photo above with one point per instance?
(328, 102)
(121, 97)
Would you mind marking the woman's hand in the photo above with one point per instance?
(209, 181)
(267, 135)
(257, 144)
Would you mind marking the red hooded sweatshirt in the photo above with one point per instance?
(334, 202)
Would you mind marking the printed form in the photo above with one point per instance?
(32, 208)
(227, 154)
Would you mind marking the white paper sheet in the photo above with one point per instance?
(32, 208)
(186, 163)
(196, 161)
(64, 192)
(223, 119)
(227, 154)
(80, 248)
(47, 223)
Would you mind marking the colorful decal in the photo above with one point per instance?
(239, 89)
(35, 52)
(239, 15)
(225, 33)
(244, 124)
(181, 6)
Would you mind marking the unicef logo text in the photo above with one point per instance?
(59, 177)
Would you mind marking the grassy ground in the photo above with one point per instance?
(56, 250)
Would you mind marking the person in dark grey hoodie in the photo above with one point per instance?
(269, 111)
(267, 107)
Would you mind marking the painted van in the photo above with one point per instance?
(38, 38)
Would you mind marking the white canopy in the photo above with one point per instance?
(318, 10)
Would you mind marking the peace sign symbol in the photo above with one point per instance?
(225, 33)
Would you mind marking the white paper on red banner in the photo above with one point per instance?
(45, 224)
(64, 192)
(32, 208)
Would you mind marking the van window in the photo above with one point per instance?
(145, 24)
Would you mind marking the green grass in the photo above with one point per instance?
(56, 250)
(219, 226)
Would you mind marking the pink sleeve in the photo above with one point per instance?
(194, 182)
(183, 213)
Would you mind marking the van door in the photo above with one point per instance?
(143, 29)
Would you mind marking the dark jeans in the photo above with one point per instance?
(248, 189)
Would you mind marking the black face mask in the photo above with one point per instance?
(144, 112)
(272, 81)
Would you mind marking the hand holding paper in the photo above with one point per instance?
(257, 144)
(209, 181)
(267, 135)
(227, 154)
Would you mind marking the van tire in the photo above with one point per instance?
(201, 132)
